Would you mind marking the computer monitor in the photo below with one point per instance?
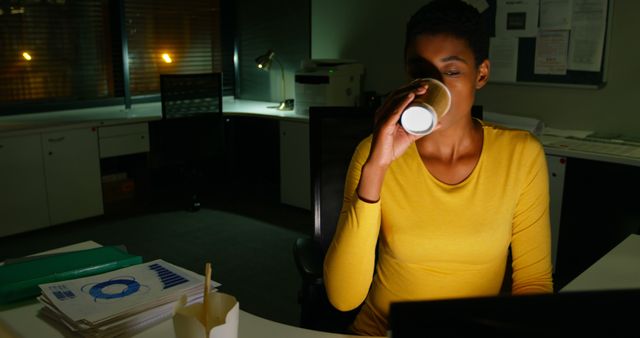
(607, 313)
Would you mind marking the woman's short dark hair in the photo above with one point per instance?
(452, 17)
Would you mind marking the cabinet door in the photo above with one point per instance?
(23, 202)
(295, 179)
(72, 169)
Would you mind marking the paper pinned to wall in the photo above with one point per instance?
(589, 20)
(516, 18)
(555, 14)
(551, 52)
(503, 53)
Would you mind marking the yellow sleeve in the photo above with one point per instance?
(350, 259)
(531, 239)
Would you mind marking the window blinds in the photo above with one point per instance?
(170, 37)
(54, 50)
(58, 54)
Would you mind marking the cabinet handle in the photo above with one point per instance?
(1, 146)
(57, 139)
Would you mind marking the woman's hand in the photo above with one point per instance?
(389, 142)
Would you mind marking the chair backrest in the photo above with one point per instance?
(188, 95)
(192, 127)
(477, 112)
(334, 133)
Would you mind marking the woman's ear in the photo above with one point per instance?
(483, 74)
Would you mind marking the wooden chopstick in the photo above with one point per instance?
(205, 301)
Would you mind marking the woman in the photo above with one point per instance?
(443, 210)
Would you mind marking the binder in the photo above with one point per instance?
(20, 279)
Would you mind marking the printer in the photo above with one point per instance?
(327, 82)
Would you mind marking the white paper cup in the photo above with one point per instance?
(423, 113)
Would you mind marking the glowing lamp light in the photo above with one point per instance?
(167, 58)
(26, 56)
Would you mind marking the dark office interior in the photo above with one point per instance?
(209, 187)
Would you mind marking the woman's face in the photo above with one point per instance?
(452, 61)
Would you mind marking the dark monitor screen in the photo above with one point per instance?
(611, 313)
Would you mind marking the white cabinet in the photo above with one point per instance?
(48, 178)
(295, 179)
(72, 171)
(23, 201)
(557, 167)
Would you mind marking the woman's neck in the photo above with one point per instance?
(449, 143)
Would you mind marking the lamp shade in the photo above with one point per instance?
(264, 61)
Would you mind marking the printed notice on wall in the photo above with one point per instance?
(503, 53)
(516, 18)
(551, 52)
(555, 14)
(586, 43)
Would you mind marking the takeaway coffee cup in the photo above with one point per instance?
(422, 114)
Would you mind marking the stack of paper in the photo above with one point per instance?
(123, 301)
(535, 126)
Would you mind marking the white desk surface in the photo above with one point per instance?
(90, 117)
(238, 107)
(584, 152)
(618, 269)
(112, 115)
(21, 321)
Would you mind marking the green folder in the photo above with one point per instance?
(20, 279)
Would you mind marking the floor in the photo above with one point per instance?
(240, 227)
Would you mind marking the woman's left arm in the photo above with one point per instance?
(531, 237)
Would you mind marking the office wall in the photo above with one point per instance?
(282, 26)
(373, 33)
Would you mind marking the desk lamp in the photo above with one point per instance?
(264, 62)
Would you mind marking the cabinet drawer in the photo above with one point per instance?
(124, 145)
(125, 129)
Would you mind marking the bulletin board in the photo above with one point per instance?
(528, 66)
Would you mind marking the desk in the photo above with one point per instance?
(589, 183)
(21, 321)
(77, 118)
(40, 190)
(618, 269)
(238, 107)
(588, 150)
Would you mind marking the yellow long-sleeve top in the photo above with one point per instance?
(437, 240)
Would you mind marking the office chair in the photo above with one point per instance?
(190, 136)
(334, 133)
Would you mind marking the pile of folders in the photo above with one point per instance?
(100, 292)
